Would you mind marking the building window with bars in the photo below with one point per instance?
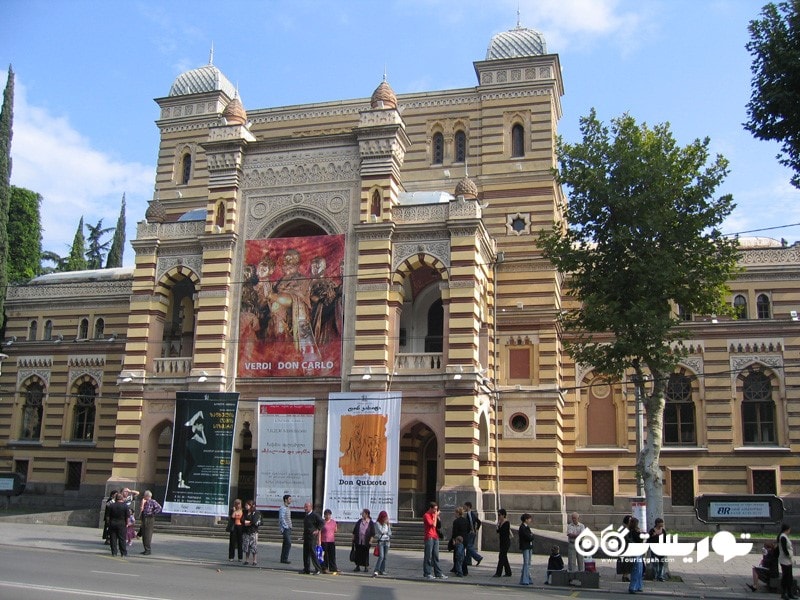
(679, 412)
(84, 413)
(758, 410)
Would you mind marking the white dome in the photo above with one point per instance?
(198, 81)
(516, 43)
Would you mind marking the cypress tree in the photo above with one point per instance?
(117, 250)
(6, 130)
(24, 235)
(77, 254)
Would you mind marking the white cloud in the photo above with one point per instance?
(53, 159)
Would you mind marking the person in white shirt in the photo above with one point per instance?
(285, 526)
(574, 529)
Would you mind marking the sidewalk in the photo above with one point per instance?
(710, 578)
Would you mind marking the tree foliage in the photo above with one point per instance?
(24, 235)
(117, 250)
(774, 108)
(96, 251)
(77, 254)
(640, 235)
(6, 131)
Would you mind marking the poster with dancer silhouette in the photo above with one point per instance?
(291, 314)
(363, 454)
(202, 445)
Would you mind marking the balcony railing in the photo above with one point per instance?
(179, 366)
(419, 362)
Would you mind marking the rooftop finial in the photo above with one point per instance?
(384, 72)
(211, 55)
(519, 25)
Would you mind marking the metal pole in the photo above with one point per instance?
(639, 385)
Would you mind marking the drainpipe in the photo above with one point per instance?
(495, 391)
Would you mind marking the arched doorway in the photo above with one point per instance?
(419, 469)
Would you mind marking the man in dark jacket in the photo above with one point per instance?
(118, 514)
(312, 525)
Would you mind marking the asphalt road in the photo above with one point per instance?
(41, 574)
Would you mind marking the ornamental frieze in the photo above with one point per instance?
(327, 209)
(34, 362)
(75, 374)
(160, 407)
(740, 362)
(167, 231)
(769, 256)
(76, 291)
(308, 114)
(420, 213)
(750, 345)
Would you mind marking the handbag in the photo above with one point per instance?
(229, 526)
(353, 552)
(376, 551)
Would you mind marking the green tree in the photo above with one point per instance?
(639, 236)
(24, 235)
(77, 254)
(97, 248)
(774, 108)
(117, 250)
(6, 131)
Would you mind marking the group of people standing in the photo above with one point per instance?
(319, 537)
(119, 520)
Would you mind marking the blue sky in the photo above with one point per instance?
(87, 73)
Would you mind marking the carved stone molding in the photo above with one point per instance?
(437, 249)
(24, 374)
(165, 231)
(34, 362)
(159, 407)
(87, 360)
(328, 209)
(213, 294)
(748, 346)
(77, 290)
(96, 374)
(739, 362)
(771, 256)
(693, 363)
(165, 263)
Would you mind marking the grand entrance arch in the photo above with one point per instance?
(419, 469)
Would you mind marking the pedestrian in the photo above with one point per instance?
(461, 528)
(328, 537)
(554, 563)
(634, 536)
(504, 537)
(470, 542)
(657, 534)
(106, 504)
(624, 565)
(459, 555)
(285, 526)
(785, 559)
(432, 528)
(363, 532)
(312, 525)
(118, 514)
(526, 547)
(234, 528)
(767, 569)
(383, 535)
(251, 521)
(574, 529)
(150, 508)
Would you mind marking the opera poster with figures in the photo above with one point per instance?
(363, 454)
(285, 451)
(291, 317)
(202, 446)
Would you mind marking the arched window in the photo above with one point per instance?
(740, 306)
(758, 410)
(375, 204)
(219, 217)
(33, 331)
(437, 149)
(434, 339)
(186, 168)
(84, 413)
(679, 423)
(763, 309)
(32, 412)
(83, 329)
(48, 330)
(461, 147)
(99, 328)
(517, 141)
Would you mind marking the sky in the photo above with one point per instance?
(86, 74)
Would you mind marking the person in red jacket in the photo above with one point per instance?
(433, 525)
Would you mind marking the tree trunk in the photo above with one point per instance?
(648, 461)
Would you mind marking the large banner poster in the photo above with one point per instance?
(290, 323)
(363, 457)
(285, 451)
(202, 445)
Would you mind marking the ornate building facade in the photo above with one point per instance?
(444, 296)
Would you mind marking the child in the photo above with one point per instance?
(130, 530)
(554, 563)
(459, 554)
